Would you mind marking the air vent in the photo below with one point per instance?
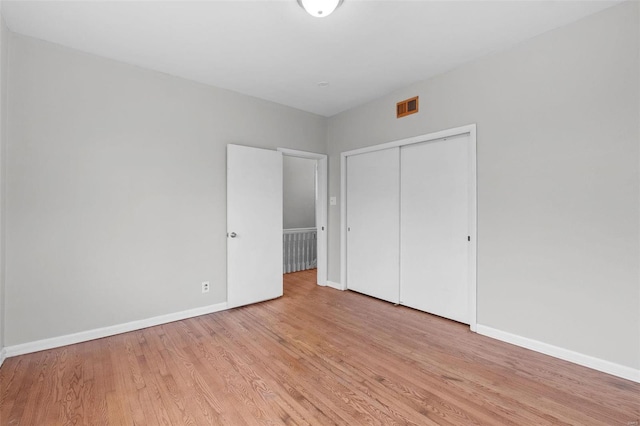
(407, 107)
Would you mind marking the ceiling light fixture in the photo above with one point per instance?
(319, 8)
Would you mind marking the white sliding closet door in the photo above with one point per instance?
(434, 227)
(373, 223)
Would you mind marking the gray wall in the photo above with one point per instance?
(558, 179)
(4, 34)
(116, 195)
(299, 197)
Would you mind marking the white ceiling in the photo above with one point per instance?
(273, 50)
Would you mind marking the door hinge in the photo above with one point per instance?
(468, 238)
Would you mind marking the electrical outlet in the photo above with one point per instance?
(205, 287)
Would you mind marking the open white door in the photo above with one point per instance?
(254, 225)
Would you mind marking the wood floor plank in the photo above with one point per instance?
(315, 356)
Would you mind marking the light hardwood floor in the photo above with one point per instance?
(315, 356)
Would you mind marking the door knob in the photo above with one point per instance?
(233, 235)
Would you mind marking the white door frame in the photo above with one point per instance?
(321, 207)
(473, 212)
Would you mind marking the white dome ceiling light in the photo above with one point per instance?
(319, 8)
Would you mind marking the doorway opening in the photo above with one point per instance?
(304, 213)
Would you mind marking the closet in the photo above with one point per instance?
(410, 219)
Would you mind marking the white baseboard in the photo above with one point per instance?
(562, 353)
(337, 286)
(3, 356)
(98, 333)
